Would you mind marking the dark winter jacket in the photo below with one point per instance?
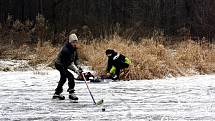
(67, 56)
(118, 61)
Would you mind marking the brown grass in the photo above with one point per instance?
(44, 54)
(147, 58)
(36, 54)
(195, 56)
(150, 59)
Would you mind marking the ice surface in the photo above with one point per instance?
(26, 96)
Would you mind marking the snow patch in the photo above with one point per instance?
(14, 65)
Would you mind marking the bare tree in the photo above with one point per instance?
(102, 15)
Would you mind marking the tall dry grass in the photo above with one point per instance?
(45, 53)
(36, 54)
(148, 59)
(195, 56)
(151, 60)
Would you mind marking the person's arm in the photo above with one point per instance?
(76, 59)
(109, 65)
(74, 68)
(77, 62)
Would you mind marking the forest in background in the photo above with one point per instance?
(134, 19)
(163, 38)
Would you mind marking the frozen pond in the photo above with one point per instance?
(26, 96)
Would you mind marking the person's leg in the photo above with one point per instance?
(117, 73)
(71, 84)
(59, 89)
(71, 81)
(124, 73)
(118, 70)
(62, 71)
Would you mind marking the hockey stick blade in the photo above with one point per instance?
(100, 102)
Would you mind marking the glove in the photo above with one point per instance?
(80, 69)
(80, 72)
(76, 69)
(108, 74)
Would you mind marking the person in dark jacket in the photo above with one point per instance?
(116, 63)
(67, 59)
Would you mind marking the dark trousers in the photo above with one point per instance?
(64, 74)
(119, 68)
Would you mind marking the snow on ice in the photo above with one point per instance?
(27, 96)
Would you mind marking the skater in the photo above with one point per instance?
(116, 64)
(67, 59)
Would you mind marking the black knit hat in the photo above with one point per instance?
(109, 51)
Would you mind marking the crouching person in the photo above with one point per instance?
(117, 63)
(67, 59)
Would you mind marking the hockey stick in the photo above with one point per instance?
(99, 102)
